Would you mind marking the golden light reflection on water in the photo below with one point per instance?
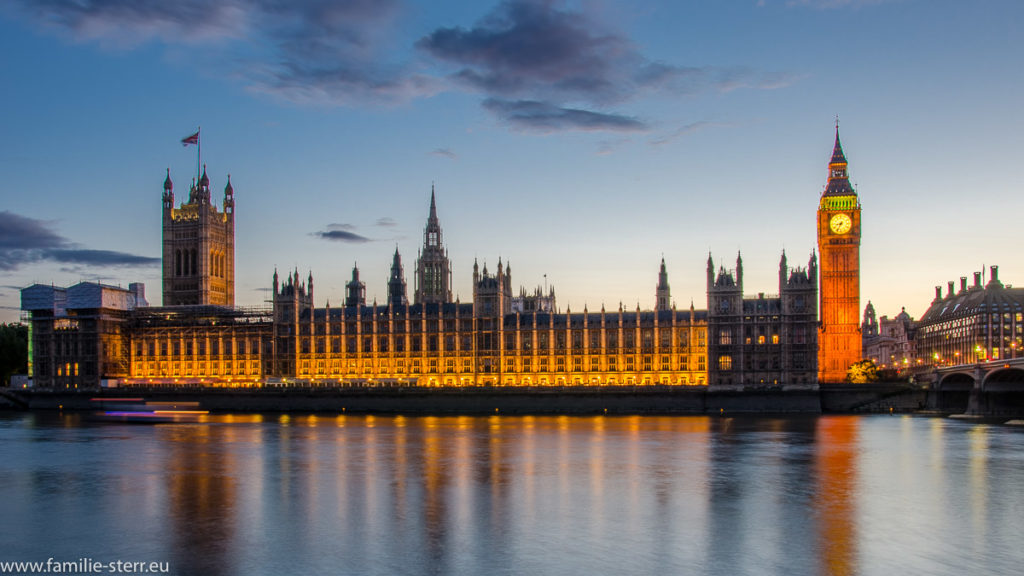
(201, 498)
(978, 443)
(836, 467)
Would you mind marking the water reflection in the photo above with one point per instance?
(479, 495)
(836, 452)
(201, 499)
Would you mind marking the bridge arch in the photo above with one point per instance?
(1004, 380)
(956, 381)
(953, 392)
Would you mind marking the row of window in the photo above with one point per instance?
(725, 363)
(451, 366)
(217, 346)
(186, 369)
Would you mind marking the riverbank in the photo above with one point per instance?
(888, 397)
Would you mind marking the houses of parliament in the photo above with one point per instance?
(89, 335)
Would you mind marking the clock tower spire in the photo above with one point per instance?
(839, 340)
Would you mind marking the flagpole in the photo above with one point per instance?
(199, 154)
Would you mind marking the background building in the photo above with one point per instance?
(889, 342)
(976, 323)
(80, 335)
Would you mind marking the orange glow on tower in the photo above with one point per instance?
(839, 339)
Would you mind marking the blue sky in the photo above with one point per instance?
(578, 140)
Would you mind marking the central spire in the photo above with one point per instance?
(433, 270)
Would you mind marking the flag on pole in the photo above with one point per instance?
(193, 139)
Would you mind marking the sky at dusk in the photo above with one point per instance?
(579, 141)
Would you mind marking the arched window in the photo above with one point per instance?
(177, 262)
(195, 268)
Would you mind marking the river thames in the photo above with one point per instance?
(290, 494)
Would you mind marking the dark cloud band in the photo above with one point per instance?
(25, 240)
(546, 117)
(341, 236)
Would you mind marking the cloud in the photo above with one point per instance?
(607, 147)
(823, 4)
(307, 51)
(546, 117)
(25, 240)
(545, 67)
(344, 232)
(526, 48)
(21, 233)
(687, 129)
(444, 152)
(127, 23)
(351, 53)
(87, 257)
(341, 236)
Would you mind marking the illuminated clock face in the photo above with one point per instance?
(840, 224)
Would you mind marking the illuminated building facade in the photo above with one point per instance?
(839, 210)
(198, 247)
(454, 344)
(977, 323)
(762, 341)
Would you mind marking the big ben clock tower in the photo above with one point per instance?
(839, 340)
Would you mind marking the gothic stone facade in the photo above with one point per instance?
(198, 247)
(762, 341)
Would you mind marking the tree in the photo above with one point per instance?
(13, 351)
(862, 372)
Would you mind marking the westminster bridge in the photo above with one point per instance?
(993, 388)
